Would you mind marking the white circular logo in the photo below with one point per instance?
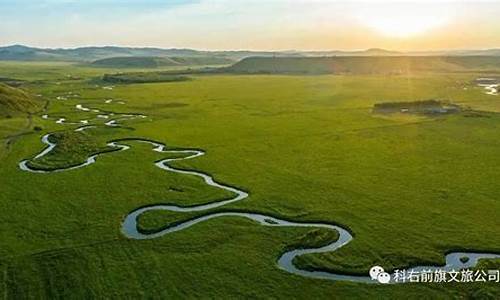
(384, 277)
(378, 273)
(374, 271)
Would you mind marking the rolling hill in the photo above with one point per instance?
(90, 54)
(156, 62)
(362, 64)
(16, 101)
(84, 54)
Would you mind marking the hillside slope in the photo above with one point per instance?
(16, 101)
(362, 65)
(156, 62)
(89, 54)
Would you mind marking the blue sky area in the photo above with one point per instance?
(253, 24)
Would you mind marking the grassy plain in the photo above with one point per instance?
(305, 147)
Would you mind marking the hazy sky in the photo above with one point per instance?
(253, 24)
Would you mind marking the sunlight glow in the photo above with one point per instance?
(403, 21)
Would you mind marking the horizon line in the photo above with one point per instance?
(243, 49)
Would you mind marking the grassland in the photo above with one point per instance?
(307, 148)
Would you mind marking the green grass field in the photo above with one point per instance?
(307, 148)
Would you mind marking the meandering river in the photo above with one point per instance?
(285, 261)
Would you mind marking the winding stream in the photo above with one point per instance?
(490, 85)
(285, 261)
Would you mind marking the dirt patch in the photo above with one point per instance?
(170, 105)
(426, 107)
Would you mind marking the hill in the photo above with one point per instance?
(89, 54)
(367, 52)
(15, 101)
(84, 54)
(156, 62)
(362, 64)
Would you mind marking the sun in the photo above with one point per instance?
(402, 21)
(401, 27)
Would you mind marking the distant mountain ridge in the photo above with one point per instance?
(87, 54)
(91, 54)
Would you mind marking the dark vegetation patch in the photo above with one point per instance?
(11, 81)
(72, 148)
(270, 221)
(427, 107)
(143, 77)
(157, 62)
(169, 105)
(464, 259)
(476, 114)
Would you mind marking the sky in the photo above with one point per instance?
(253, 24)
